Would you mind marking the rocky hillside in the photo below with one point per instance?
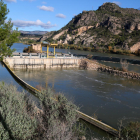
(110, 25)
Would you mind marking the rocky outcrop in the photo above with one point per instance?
(135, 47)
(138, 26)
(80, 30)
(110, 24)
(58, 35)
(47, 35)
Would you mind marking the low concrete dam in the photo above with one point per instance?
(42, 63)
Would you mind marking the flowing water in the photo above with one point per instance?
(6, 77)
(109, 98)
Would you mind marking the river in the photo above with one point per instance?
(110, 98)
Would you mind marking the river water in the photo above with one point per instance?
(6, 77)
(110, 98)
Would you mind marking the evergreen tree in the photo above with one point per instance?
(7, 35)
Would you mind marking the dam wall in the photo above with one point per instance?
(41, 62)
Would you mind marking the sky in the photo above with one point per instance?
(52, 15)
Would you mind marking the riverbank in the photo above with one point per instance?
(109, 49)
(94, 65)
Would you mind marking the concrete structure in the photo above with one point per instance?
(41, 62)
(40, 55)
(36, 47)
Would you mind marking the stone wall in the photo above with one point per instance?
(89, 64)
(41, 62)
(131, 75)
(94, 65)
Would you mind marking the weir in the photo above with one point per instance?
(83, 116)
(42, 60)
(42, 63)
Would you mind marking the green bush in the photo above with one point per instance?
(21, 119)
(131, 131)
(87, 48)
(16, 122)
(31, 41)
(59, 117)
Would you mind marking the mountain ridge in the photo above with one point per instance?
(33, 32)
(109, 25)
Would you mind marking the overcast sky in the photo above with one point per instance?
(50, 15)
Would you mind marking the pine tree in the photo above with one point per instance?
(7, 35)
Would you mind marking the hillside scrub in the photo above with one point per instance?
(109, 25)
(22, 120)
(131, 131)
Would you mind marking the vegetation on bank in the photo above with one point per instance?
(56, 119)
(108, 49)
(131, 131)
(29, 49)
(28, 41)
(21, 119)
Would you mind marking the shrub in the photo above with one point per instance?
(59, 117)
(109, 48)
(124, 65)
(137, 52)
(29, 49)
(131, 131)
(87, 48)
(21, 119)
(16, 121)
(31, 41)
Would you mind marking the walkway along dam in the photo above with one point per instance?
(18, 62)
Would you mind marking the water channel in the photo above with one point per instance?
(110, 98)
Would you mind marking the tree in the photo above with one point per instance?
(7, 35)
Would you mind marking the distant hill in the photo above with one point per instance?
(33, 32)
(109, 25)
